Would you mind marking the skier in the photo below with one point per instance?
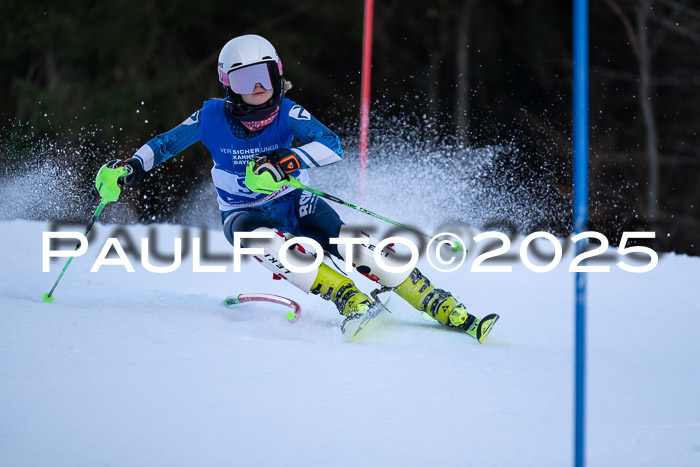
(249, 134)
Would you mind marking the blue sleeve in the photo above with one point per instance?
(169, 144)
(320, 146)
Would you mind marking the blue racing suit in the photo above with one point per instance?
(232, 146)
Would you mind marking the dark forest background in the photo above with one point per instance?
(114, 74)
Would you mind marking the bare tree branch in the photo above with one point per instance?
(681, 8)
(626, 23)
(674, 27)
(658, 80)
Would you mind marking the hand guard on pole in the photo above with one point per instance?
(264, 182)
(107, 183)
(115, 174)
(134, 167)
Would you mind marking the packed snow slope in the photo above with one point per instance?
(134, 369)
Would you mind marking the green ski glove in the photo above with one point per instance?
(264, 183)
(106, 182)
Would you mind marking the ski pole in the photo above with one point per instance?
(358, 208)
(107, 186)
(264, 183)
(48, 296)
(296, 183)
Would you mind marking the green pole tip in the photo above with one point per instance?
(48, 298)
(290, 315)
(231, 300)
(457, 247)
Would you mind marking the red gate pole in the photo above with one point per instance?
(365, 91)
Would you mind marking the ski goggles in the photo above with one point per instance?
(243, 80)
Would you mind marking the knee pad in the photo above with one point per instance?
(363, 259)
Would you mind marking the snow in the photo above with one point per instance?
(133, 369)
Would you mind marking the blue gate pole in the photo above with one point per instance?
(580, 127)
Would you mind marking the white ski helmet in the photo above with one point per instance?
(245, 61)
